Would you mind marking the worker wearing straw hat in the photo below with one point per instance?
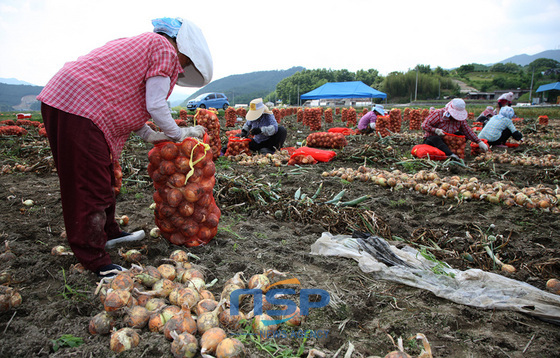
(451, 119)
(268, 136)
(91, 106)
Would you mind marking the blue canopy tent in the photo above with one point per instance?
(353, 89)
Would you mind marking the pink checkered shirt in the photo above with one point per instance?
(448, 124)
(108, 85)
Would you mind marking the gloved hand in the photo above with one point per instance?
(372, 125)
(255, 131)
(154, 137)
(196, 131)
(483, 146)
(244, 133)
(439, 132)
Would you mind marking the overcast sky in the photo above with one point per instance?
(38, 36)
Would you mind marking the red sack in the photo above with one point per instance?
(512, 145)
(474, 147)
(427, 151)
(237, 146)
(456, 144)
(345, 131)
(319, 155)
(478, 129)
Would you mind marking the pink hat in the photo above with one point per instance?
(507, 96)
(456, 108)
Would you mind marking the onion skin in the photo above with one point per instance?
(260, 329)
(205, 305)
(137, 317)
(122, 281)
(102, 323)
(553, 285)
(210, 340)
(231, 348)
(231, 322)
(124, 339)
(116, 300)
(208, 320)
(184, 345)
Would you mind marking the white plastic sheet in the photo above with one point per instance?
(472, 287)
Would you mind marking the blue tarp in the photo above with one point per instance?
(354, 89)
(550, 86)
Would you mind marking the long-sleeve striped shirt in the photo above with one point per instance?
(108, 85)
(436, 119)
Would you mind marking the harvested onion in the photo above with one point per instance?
(230, 348)
(210, 340)
(124, 339)
(101, 323)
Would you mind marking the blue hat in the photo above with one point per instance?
(379, 109)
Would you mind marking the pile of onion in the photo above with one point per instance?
(351, 118)
(230, 116)
(12, 130)
(312, 117)
(237, 146)
(456, 144)
(395, 120)
(209, 120)
(328, 115)
(299, 116)
(302, 159)
(455, 187)
(277, 114)
(183, 174)
(327, 140)
(406, 114)
(241, 112)
(383, 125)
(344, 115)
(415, 120)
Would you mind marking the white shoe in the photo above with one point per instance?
(126, 237)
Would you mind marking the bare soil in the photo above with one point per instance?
(256, 235)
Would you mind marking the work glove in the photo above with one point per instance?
(196, 131)
(483, 146)
(154, 137)
(439, 132)
(372, 125)
(255, 131)
(244, 133)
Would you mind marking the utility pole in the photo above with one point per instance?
(416, 88)
(531, 90)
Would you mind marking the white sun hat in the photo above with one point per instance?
(457, 109)
(191, 43)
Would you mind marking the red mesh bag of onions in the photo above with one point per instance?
(475, 150)
(320, 155)
(456, 144)
(427, 151)
(183, 175)
(237, 146)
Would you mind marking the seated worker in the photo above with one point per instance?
(504, 100)
(268, 136)
(486, 115)
(451, 119)
(366, 124)
(500, 128)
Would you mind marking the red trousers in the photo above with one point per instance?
(85, 171)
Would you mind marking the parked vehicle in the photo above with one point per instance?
(209, 100)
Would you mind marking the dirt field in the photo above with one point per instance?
(258, 233)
